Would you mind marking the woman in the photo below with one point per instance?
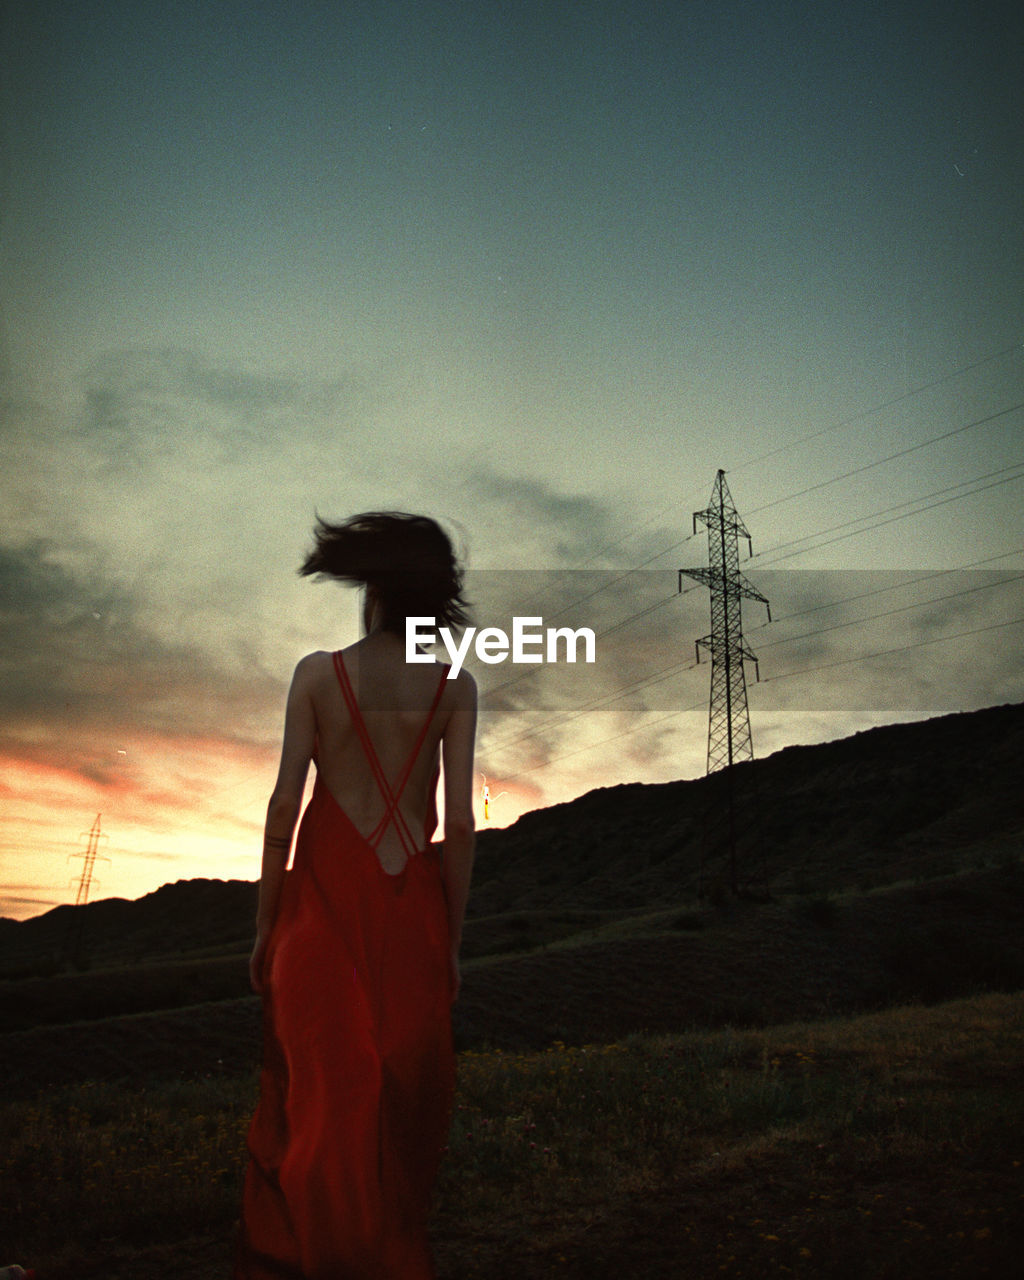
(357, 945)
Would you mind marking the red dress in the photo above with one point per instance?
(359, 1069)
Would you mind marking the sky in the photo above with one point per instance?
(539, 270)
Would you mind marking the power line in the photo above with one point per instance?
(884, 653)
(888, 613)
(828, 542)
(729, 737)
(821, 485)
(898, 586)
(663, 674)
(806, 635)
(859, 416)
(75, 933)
(666, 673)
(857, 471)
(94, 835)
(780, 546)
(600, 635)
(672, 715)
(879, 408)
(660, 604)
(618, 578)
(892, 457)
(835, 480)
(850, 420)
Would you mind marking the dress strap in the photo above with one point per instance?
(392, 813)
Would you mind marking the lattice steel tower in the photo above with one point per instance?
(75, 935)
(729, 740)
(90, 855)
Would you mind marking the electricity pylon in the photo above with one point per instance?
(76, 922)
(95, 835)
(729, 740)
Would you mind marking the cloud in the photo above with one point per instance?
(145, 443)
(530, 515)
(140, 406)
(78, 657)
(15, 903)
(189, 489)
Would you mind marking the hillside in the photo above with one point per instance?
(197, 917)
(888, 804)
(753, 964)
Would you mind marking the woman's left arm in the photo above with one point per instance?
(283, 809)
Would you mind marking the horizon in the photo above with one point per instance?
(492, 827)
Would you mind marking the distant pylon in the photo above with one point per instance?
(729, 739)
(74, 951)
(95, 835)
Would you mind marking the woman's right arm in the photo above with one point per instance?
(283, 809)
(459, 826)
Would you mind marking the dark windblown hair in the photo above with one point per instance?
(408, 559)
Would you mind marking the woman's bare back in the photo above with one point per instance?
(394, 698)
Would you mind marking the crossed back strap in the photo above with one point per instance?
(392, 813)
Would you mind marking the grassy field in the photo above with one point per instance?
(884, 1145)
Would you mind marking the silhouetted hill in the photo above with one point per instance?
(194, 916)
(890, 803)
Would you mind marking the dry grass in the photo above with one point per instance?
(883, 1145)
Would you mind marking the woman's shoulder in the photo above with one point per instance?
(463, 680)
(313, 666)
(463, 687)
(318, 658)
